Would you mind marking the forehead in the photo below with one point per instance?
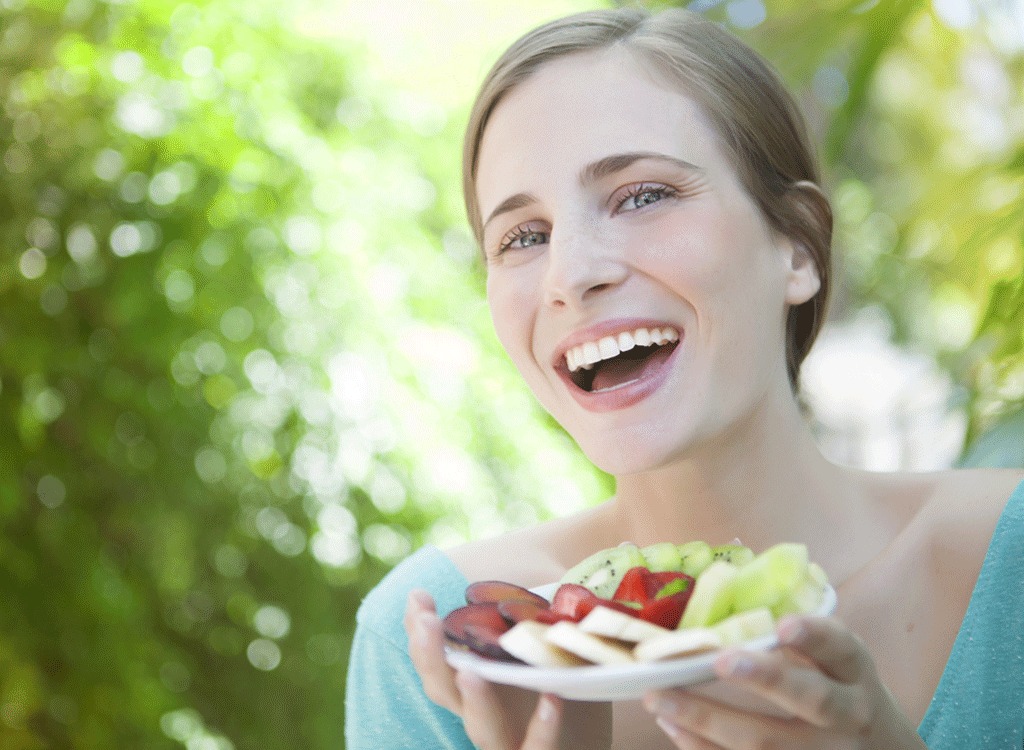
(580, 108)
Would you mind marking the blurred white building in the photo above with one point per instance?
(878, 406)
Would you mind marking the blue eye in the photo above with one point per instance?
(521, 238)
(644, 195)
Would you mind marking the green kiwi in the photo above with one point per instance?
(694, 558)
(736, 554)
(661, 557)
(602, 571)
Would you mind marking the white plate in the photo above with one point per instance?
(620, 682)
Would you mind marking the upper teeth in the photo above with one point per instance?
(585, 355)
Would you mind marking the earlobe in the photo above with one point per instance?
(803, 279)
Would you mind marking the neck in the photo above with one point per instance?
(763, 480)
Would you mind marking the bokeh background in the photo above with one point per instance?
(246, 364)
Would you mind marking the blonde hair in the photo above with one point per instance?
(759, 125)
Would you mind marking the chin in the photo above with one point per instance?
(632, 453)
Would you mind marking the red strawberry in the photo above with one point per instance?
(550, 617)
(667, 577)
(666, 611)
(634, 587)
(574, 601)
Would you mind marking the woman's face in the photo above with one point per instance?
(610, 211)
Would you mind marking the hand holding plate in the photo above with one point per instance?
(824, 677)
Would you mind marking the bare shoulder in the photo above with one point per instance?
(968, 494)
(965, 507)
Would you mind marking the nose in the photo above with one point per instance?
(580, 265)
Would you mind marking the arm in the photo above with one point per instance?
(385, 707)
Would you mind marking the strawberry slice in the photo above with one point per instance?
(666, 611)
(672, 583)
(574, 601)
(634, 586)
(641, 585)
(550, 617)
(667, 576)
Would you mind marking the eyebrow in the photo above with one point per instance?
(593, 172)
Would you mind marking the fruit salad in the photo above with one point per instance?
(629, 604)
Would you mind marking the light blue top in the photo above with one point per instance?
(979, 702)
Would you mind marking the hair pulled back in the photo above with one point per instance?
(759, 125)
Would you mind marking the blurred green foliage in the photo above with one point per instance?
(245, 364)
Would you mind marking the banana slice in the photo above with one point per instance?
(526, 641)
(609, 623)
(678, 643)
(591, 647)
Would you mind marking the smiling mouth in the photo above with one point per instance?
(623, 368)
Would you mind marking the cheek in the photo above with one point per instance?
(511, 315)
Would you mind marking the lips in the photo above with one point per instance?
(613, 380)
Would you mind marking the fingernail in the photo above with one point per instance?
(738, 665)
(421, 597)
(792, 631)
(668, 727)
(421, 629)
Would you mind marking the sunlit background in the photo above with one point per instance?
(246, 365)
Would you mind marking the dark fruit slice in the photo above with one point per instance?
(574, 601)
(484, 641)
(516, 610)
(483, 618)
(482, 592)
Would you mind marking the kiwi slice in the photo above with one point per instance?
(662, 557)
(602, 571)
(736, 554)
(694, 557)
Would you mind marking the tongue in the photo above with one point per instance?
(624, 368)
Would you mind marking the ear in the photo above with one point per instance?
(813, 218)
(802, 278)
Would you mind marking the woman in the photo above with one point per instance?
(630, 176)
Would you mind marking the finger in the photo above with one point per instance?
(482, 713)
(722, 725)
(542, 733)
(805, 693)
(837, 650)
(683, 739)
(426, 649)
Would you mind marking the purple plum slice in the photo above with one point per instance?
(485, 621)
(500, 591)
(484, 641)
(516, 610)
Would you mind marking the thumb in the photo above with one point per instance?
(545, 726)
